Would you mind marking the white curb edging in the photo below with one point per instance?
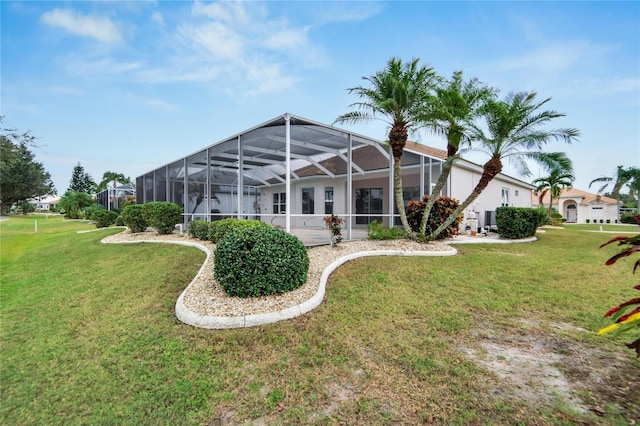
(215, 322)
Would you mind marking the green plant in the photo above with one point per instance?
(627, 218)
(625, 316)
(519, 222)
(119, 221)
(377, 231)
(199, 229)
(162, 215)
(133, 217)
(334, 223)
(220, 228)
(442, 209)
(104, 218)
(260, 261)
(588, 220)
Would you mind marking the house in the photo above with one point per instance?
(291, 172)
(577, 206)
(112, 198)
(46, 203)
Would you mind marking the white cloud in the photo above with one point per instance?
(97, 27)
(547, 59)
(66, 90)
(215, 38)
(157, 18)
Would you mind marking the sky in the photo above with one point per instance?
(128, 86)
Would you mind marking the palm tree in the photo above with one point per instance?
(451, 114)
(397, 96)
(114, 177)
(514, 132)
(629, 176)
(554, 183)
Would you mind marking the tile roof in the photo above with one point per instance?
(586, 197)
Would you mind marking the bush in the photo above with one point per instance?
(104, 218)
(627, 218)
(377, 231)
(199, 229)
(220, 228)
(133, 217)
(89, 210)
(588, 220)
(260, 261)
(119, 221)
(519, 222)
(162, 215)
(442, 209)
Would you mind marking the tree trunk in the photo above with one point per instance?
(490, 169)
(453, 143)
(397, 189)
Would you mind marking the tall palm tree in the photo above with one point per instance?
(629, 176)
(554, 183)
(396, 95)
(114, 177)
(514, 132)
(452, 114)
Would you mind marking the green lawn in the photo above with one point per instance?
(88, 335)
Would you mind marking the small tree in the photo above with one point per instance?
(81, 181)
(73, 203)
(21, 177)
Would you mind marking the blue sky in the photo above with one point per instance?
(129, 86)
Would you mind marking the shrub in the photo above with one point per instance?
(162, 215)
(89, 210)
(104, 218)
(377, 231)
(260, 261)
(334, 223)
(518, 222)
(442, 209)
(133, 217)
(198, 229)
(220, 228)
(556, 215)
(627, 218)
(119, 221)
(588, 220)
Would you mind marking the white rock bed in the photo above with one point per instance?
(205, 297)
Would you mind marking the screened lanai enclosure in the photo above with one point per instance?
(292, 172)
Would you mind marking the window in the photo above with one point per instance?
(517, 192)
(308, 200)
(279, 203)
(328, 200)
(505, 197)
(368, 202)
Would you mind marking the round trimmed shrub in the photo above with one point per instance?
(162, 215)
(133, 218)
(220, 228)
(260, 261)
(119, 221)
(104, 218)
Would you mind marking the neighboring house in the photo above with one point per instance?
(296, 171)
(46, 203)
(111, 198)
(577, 206)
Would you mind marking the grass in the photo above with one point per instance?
(88, 333)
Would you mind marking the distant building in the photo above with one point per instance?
(577, 206)
(112, 198)
(46, 203)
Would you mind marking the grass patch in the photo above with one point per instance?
(89, 334)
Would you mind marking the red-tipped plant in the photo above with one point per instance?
(625, 316)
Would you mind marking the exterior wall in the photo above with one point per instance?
(465, 179)
(595, 212)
